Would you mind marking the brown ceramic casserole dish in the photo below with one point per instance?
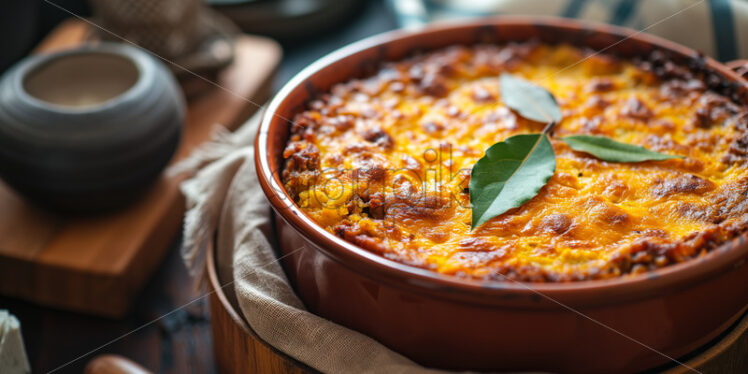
(624, 324)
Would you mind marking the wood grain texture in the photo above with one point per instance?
(97, 264)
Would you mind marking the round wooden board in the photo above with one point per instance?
(238, 349)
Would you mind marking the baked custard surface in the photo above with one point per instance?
(384, 162)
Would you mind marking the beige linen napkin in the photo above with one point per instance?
(225, 194)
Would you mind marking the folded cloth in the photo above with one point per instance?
(224, 198)
(13, 358)
(718, 28)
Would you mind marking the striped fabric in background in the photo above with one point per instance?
(718, 28)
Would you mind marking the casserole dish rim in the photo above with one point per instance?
(626, 286)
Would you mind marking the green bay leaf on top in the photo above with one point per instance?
(509, 174)
(529, 100)
(608, 149)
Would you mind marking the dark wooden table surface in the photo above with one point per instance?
(181, 341)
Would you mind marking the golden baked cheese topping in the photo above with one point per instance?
(384, 162)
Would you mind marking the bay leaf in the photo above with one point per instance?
(529, 100)
(509, 174)
(608, 149)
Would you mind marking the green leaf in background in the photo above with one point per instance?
(529, 100)
(511, 173)
(608, 149)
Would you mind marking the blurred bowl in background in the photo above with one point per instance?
(287, 20)
(88, 129)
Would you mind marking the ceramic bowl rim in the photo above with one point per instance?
(133, 55)
(732, 253)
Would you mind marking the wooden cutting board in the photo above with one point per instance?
(97, 264)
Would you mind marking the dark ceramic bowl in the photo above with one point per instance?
(626, 324)
(87, 129)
